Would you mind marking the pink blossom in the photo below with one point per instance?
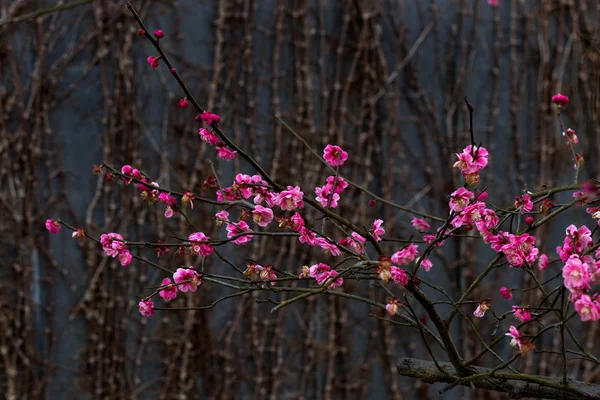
(587, 309)
(334, 155)
(236, 229)
(168, 293)
(325, 197)
(493, 3)
(560, 99)
(460, 199)
(78, 233)
(307, 236)
(392, 306)
(209, 118)
(420, 224)
(146, 308)
(52, 226)
(290, 199)
(125, 258)
(208, 136)
(470, 215)
(167, 199)
(114, 246)
(519, 342)
(356, 243)
(576, 275)
(399, 276)
(328, 247)
(187, 279)
(200, 244)
(406, 255)
(521, 313)
(426, 263)
(296, 222)
(153, 61)
(159, 34)
(329, 278)
(523, 203)
(505, 292)
(141, 32)
(377, 230)
(543, 262)
(225, 153)
(529, 220)
(482, 308)
(472, 160)
(318, 269)
(519, 249)
(262, 215)
(341, 183)
(222, 216)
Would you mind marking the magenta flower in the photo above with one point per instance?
(168, 293)
(318, 269)
(420, 224)
(52, 226)
(325, 197)
(289, 199)
(576, 275)
(493, 3)
(239, 228)
(521, 314)
(329, 278)
(78, 234)
(296, 222)
(519, 342)
(519, 249)
(146, 308)
(471, 160)
(523, 203)
(262, 215)
(187, 279)
(153, 61)
(377, 230)
(307, 236)
(159, 34)
(208, 136)
(328, 247)
(340, 186)
(200, 244)
(426, 264)
(334, 155)
(459, 199)
(560, 99)
(209, 118)
(225, 153)
(399, 276)
(183, 103)
(356, 243)
(543, 262)
(505, 292)
(114, 246)
(406, 255)
(587, 309)
(571, 136)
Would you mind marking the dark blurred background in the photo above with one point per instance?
(384, 79)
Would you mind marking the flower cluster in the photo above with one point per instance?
(329, 195)
(325, 275)
(472, 160)
(114, 246)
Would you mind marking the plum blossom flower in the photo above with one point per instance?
(543, 262)
(399, 276)
(521, 313)
(420, 224)
(576, 274)
(392, 306)
(334, 155)
(296, 222)
(208, 136)
(459, 199)
(482, 308)
(519, 249)
(146, 308)
(52, 226)
(587, 309)
(200, 244)
(377, 230)
(506, 293)
(225, 153)
(472, 160)
(426, 263)
(560, 99)
(323, 274)
(262, 215)
(114, 246)
(209, 118)
(325, 197)
(328, 247)
(571, 136)
(239, 228)
(524, 203)
(307, 236)
(78, 233)
(169, 292)
(519, 342)
(222, 216)
(153, 61)
(187, 279)
(493, 3)
(183, 103)
(340, 186)
(290, 199)
(188, 198)
(406, 255)
(356, 243)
